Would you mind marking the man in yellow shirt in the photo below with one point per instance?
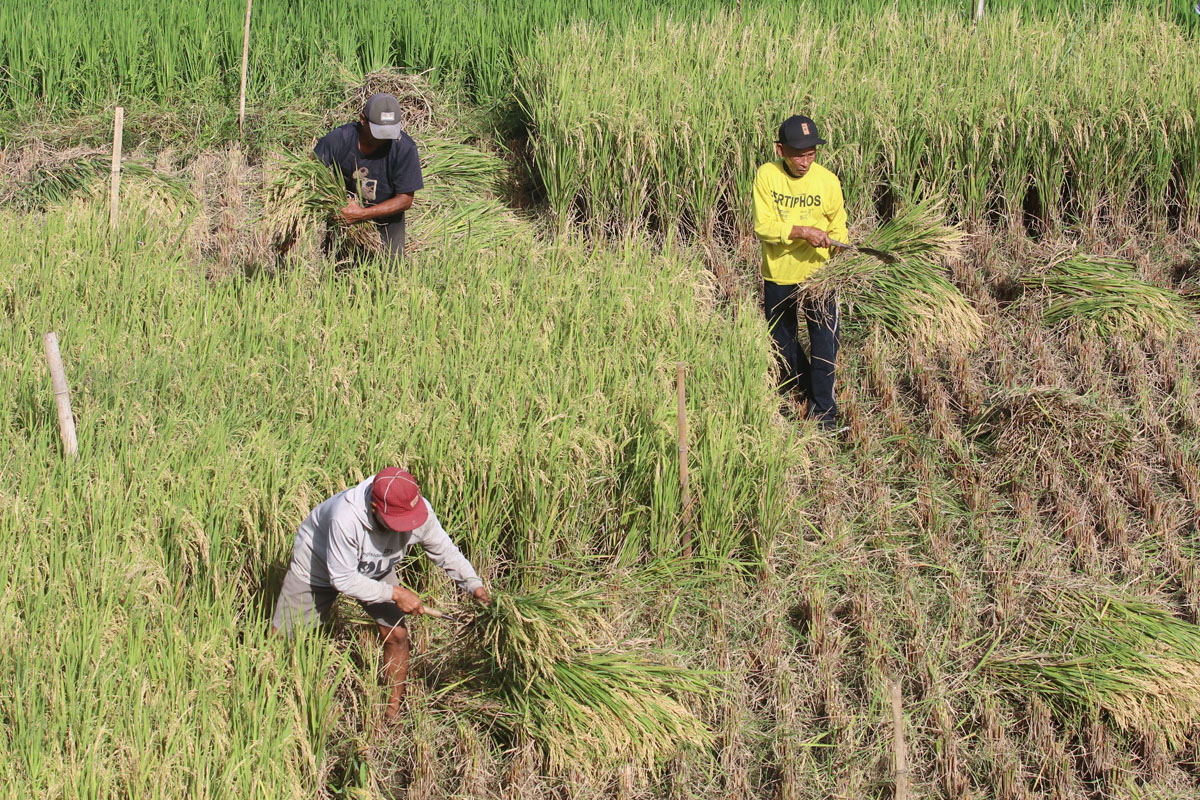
(798, 209)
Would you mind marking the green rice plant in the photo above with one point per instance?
(1086, 654)
(912, 297)
(548, 659)
(76, 53)
(529, 386)
(1106, 294)
(668, 118)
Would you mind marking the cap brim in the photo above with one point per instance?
(408, 520)
(386, 131)
(804, 144)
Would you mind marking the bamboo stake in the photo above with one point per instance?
(62, 399)
(978, 12)
(684, 488)
(245, 65)
(898, 745)
(114, 198)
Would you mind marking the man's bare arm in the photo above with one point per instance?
(353, 212)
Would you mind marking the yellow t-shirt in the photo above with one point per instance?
(781, 201)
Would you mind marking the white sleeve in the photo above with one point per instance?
(342, 562)
(441, 551)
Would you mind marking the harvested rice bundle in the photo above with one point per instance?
(528, 634)
(912, 296)
(54, 179)
(305, 194)
(1085, 654)
(1106, 294)
(547, 659)
(602, 709)
(456, 171)
(458, 201)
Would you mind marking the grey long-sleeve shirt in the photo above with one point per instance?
(340, 546)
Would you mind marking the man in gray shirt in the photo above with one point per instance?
(350, 544)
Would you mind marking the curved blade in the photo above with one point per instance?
(882, 255)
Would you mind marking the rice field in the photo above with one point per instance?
(90, 55)
(1007, 529)
(662, 124)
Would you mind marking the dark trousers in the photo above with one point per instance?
(392, 235)
(812, 375)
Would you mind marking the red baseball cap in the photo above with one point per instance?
(396, 498)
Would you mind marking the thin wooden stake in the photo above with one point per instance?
(978, 12)
(898, 745)
(114, 198)
(62, 399)
(684, 488)
(245, 65)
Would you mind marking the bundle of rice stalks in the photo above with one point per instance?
(459, 171)
(1086, 655)
(589, 707)
(459, 198)
(528, 634)
(53, 180)
(1028, 416)
(305, 196)
(1106, 294)
(912, 297)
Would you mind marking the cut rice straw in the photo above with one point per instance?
(548, 659)
(1107, 295)
(912, 297)
(1130, 660)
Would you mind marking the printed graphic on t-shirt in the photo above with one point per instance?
(372, 568)
(366, 185)
(788, 201)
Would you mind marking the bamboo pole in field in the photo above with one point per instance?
(899, 748)
(684, 488)
(245, 66)
(62, 398)
(114, 196)
(978, 11)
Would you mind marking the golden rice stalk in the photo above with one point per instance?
(547, 662)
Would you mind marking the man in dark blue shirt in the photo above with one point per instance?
(381, 168)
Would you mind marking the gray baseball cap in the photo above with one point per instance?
(383, 115)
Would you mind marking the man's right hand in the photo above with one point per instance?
(814, 236)
(408, 600)
(353, 212)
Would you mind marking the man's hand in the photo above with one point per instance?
(407, 600)
(481, 594)
(814, 236)
(354, 212)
